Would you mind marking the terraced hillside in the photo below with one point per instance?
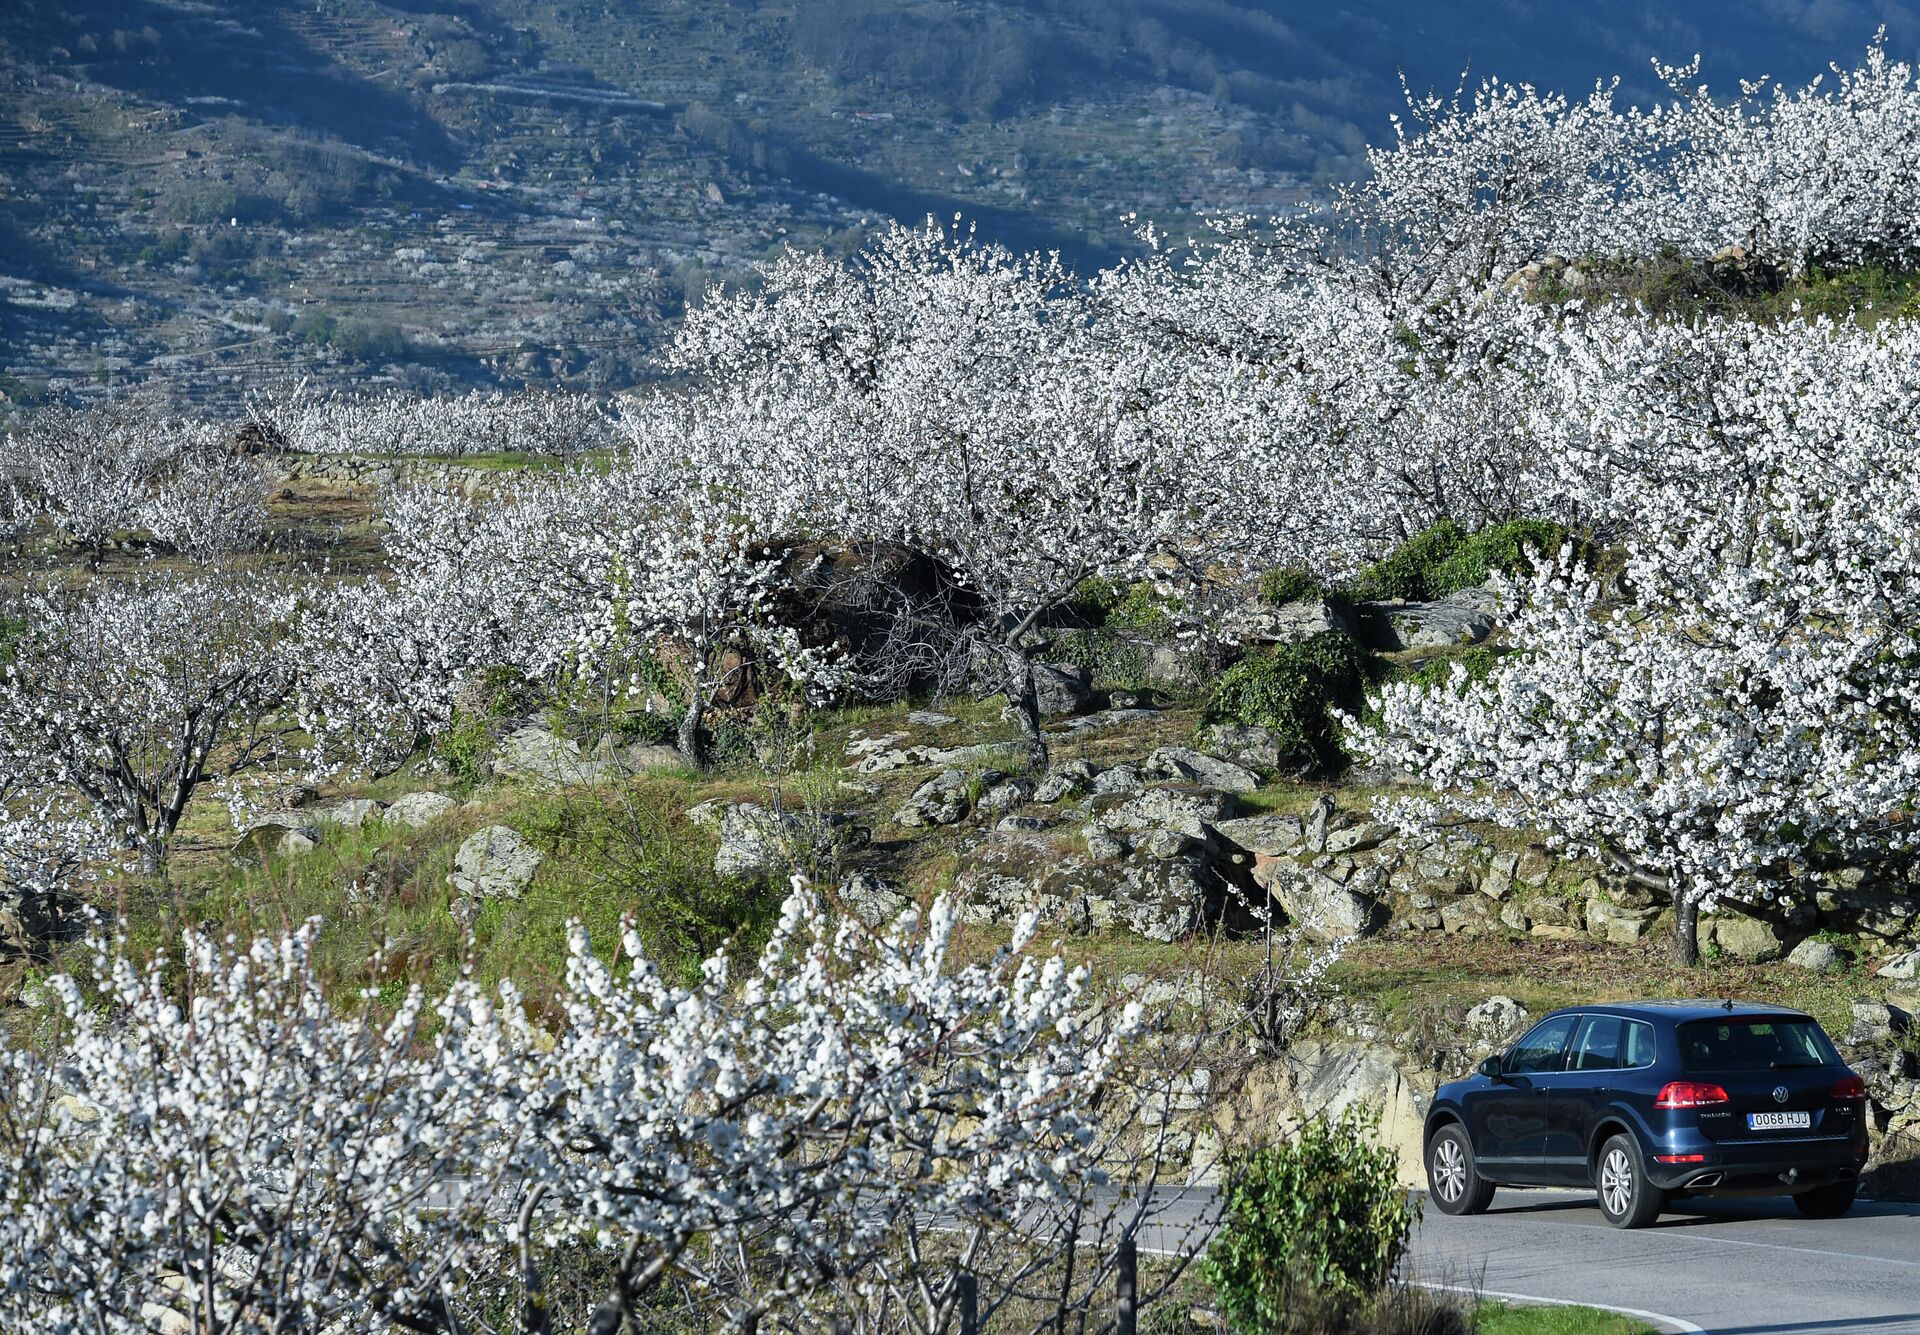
(213, 192)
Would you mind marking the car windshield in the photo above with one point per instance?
(1754, 1043)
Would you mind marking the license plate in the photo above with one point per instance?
(1782, 1121)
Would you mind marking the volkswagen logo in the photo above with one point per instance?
(1779, 1093)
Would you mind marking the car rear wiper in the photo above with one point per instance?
(1793, 1066)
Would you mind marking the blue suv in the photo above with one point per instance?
(1654, 1100)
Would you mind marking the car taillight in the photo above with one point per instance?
(1686, 1094)
(1679, 1158)
(1848, 1088)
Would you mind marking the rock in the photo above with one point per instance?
(1745, 938)
(1190, 813)
(872, 899)
(646, 757)
(352, 812)
(1317, 817)
(1180, 762)
(1249, 745)
(1331, 1076)
(1103, 847)
(866, 746)
(927, 718)
(1358, 838)
(1496, 1019)
(1069, 779)
(417, 809)
(1267, 836)
(945, 799)
(1609, 922)
(1162, 844)
(1021, 825)
(1497, 881)
(1061, 688)
(1905, 968)
(1466, 617)
(536, 754)
(276, 833)
(1119, 779)
(1533, 868)
(1876, 1022)
(1467, 917)
(1160, 900)
(1104, 718)
(1290, 623)
(1554, 932)
(1816, 956)
(1004, 796)
(494, 862)
(756, 840)
(1325, 908)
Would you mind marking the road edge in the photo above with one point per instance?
(1672, 1325)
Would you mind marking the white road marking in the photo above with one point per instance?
(1672, 1323)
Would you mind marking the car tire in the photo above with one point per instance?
(1454, 1183)
(1829, 1202)
(1627, 1198)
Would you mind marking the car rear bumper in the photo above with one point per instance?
(1762, 1168)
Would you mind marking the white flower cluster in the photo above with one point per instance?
(536, 422)
(254, 1158)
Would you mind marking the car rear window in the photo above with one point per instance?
(1754, 1043)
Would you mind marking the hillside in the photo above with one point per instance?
(525, 192)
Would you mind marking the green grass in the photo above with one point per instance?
(1497, 1318)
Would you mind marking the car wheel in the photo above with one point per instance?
(1627, 1199)
(1453, 1183)
(1827, 1202)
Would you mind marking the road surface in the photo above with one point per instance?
(1730, 1267)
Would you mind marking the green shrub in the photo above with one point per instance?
(1438, 671)
(1115, 660)
(1287, 585)
(1322, 1213)
(1445, 558)
(1289, 690)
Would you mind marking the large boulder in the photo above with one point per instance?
(757, 840)
(1188, 811)
(1745, 938)
(1163, 894)
(417, 809)
(1061, 688)
(1322, 906)
(1197, 767)
(1268, 835)
(351, 812)
(536, 754)
(1330, 1077)
(1616, 924)
(494, 862)
(1290, 623)
(1462, 618)
(945, 799)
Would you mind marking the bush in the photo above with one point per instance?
(1444, 559)
(1321, 1216)
(1289, 690)
(1288, 585)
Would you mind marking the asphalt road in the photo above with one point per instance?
(1732, 1267)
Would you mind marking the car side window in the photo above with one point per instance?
(1637, 1049)
(1541, 1049)
(1597, 1046)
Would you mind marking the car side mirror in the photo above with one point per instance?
(1491, 1068)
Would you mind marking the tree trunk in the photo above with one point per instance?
(1686, 930)
(691, 747)
(1025, 700)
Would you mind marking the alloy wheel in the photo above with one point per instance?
(1616, 1181)
(1449, 1169)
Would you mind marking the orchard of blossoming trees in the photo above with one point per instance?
(1715, 688)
